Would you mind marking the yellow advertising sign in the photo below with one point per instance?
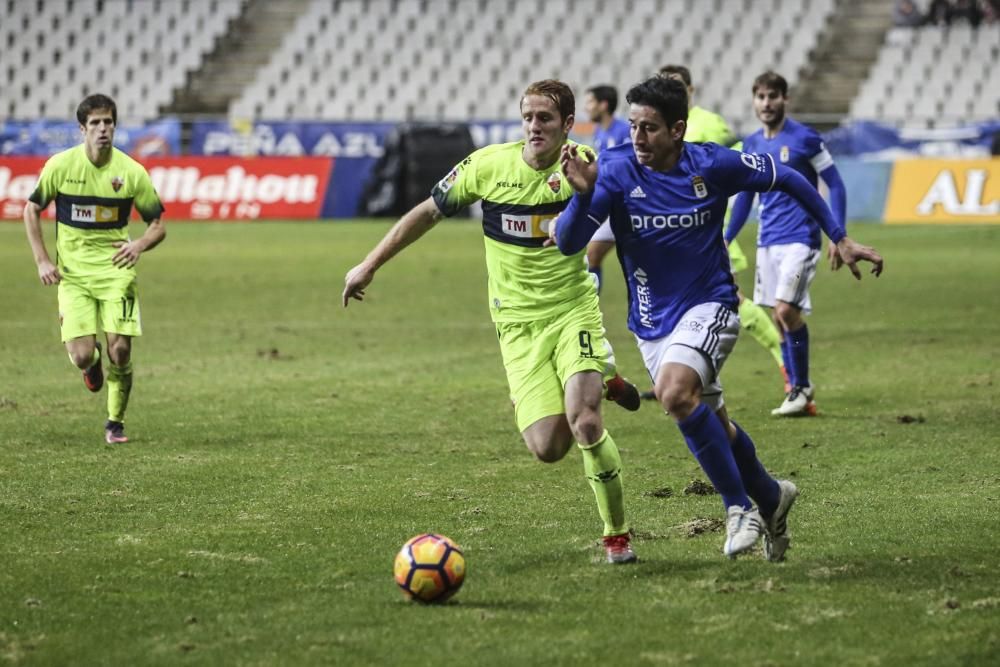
(944, 191)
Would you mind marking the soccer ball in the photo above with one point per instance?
(429, 568)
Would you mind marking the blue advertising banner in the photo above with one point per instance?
(874, 141)
(46, 137)
(354, 147)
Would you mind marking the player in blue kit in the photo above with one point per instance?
(600, 103)
(667, 199)
(788, 240)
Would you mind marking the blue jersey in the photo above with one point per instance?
(617, 134)
(782, 219)
(668, 228)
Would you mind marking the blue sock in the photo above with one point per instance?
(786, 354)
(707, 440)
(760, 486)
(599, 275)
(798, 343)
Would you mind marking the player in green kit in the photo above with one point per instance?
(95, 186)
(544, 304)
(704, 126)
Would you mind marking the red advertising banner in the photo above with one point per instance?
(18, 176)
(204, 188)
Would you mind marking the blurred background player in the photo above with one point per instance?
(600, 103)
(95, 186)
(667, 199)
(704, 126)
(788, 240)
(543, 303)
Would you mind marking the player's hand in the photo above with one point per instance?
(127, 255)
(552, 233)
(580, 171)
(831, 254)
(48, 273)
(355, 282)
(851, 252)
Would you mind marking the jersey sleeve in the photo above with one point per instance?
(48, 184)
(147, 201)
(459, 188)
(734, 172)
(819, 157)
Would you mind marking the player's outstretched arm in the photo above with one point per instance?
(838, 204)
(414, 224)
(850, 252)
(47, 271)
(127, 254)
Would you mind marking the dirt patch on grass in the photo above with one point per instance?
(700, 526)
(699, 487)
(273, 354)
(910, 419)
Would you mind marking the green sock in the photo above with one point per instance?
(119, 387)
(754, 319)
(602, 465)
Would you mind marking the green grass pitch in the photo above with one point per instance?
(283, 449)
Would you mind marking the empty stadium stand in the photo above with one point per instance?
(55, 52)
(841, 60)
(933, 76)
(444, 60)
(459, 59)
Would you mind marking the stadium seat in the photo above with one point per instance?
(164, 39)
(486, 65)
(933, 76)
(387, 60)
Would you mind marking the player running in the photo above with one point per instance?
(544, 304)
(704, 126)
(95, 186)
(788, 239)
(667, 199)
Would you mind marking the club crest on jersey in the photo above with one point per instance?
(784, 154)
(117, 182)
(700, 189)
(554, 182)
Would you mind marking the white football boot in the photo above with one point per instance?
(798, 403)
(743, 529)
(776, 537)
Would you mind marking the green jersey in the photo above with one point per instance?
(93, 205)
(527, 282)
(704, 126)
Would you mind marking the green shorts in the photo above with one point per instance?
(737, 260)
(541, 356)
(112, 302)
